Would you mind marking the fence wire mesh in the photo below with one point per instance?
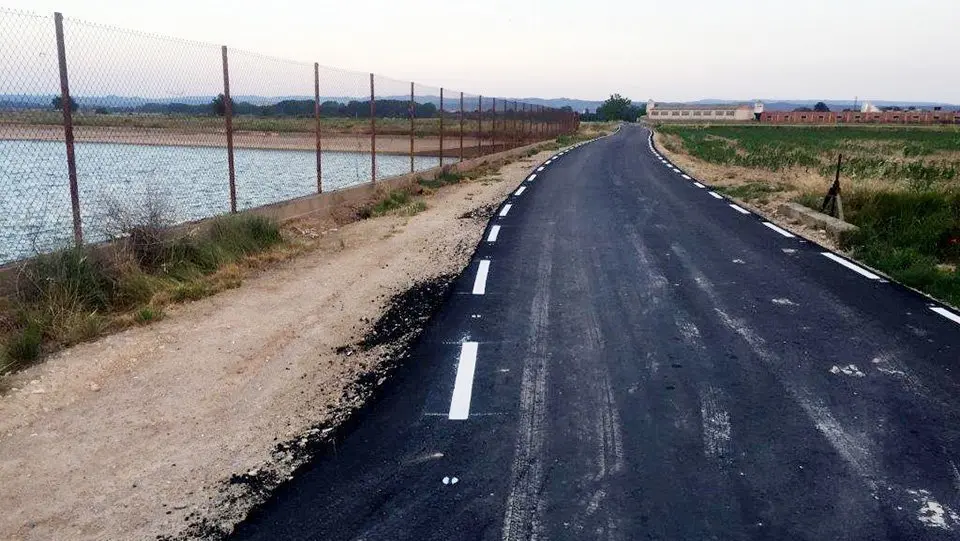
(174, 130)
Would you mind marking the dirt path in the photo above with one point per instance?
(135, 435)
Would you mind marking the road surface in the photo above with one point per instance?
(630, 356)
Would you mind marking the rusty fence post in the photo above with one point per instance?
(316, 114)
(228, 124)
(480, 126)
(461, 126)
(441, 127)
(373, 133)
(516, 126)
(493, 132)
(413, 112)
(65, 105)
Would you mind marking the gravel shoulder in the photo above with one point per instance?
(171, 429)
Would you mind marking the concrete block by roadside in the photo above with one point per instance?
(836, 229)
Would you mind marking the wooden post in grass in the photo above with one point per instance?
(832, 200)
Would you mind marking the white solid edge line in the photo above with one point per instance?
(463, 387)
(506, 209)
(686, 176)
(946, 313)
(494, 233)
(780, 230)
(520, 190)
(531, 177)
(715, 194)
(480, 283)
(698, 185)
(739, 209)
(859, 270)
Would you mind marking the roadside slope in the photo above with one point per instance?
(133, 435)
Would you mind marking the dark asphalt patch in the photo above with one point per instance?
(394, 333)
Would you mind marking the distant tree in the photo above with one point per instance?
(803, 110)
(618, 108)
(821, 107)
(220, 107)
(57, 103)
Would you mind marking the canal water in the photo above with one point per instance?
(191, 182)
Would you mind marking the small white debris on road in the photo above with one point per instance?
(849, 370)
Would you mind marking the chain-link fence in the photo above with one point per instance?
(101, 125)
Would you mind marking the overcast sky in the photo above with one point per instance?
(668, 50)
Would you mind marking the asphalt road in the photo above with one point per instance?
(634, 358)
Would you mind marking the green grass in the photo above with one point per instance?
(891, 153)
(76, 294)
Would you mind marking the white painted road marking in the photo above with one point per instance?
(547, 162)
(686, 176)
(480, 284)
(741, 210)
(506, 209)
(946, 313)
(780, 230)
(494, 233)
(531, 177)
(716, 195)
(540, 168)
(698, 185)
(859, 270)
(520, 190)
(463, 388)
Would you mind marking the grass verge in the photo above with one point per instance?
(73, 295)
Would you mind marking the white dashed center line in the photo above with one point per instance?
(520, 190)
(780, 230)
(946, 313)
(716, 195)
(506, 209)
(480, 283)
(859, 270)
(494, 233)
(739, 209)
(463, 388)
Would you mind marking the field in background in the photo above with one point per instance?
(900, 185)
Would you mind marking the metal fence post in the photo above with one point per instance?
(480, 126)
(66, 103)
(228, 123)
(316, 114)
(373, 133)
(461, 126)
(413, 112)
(441, 127)
(516, 127)
(493, 132)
